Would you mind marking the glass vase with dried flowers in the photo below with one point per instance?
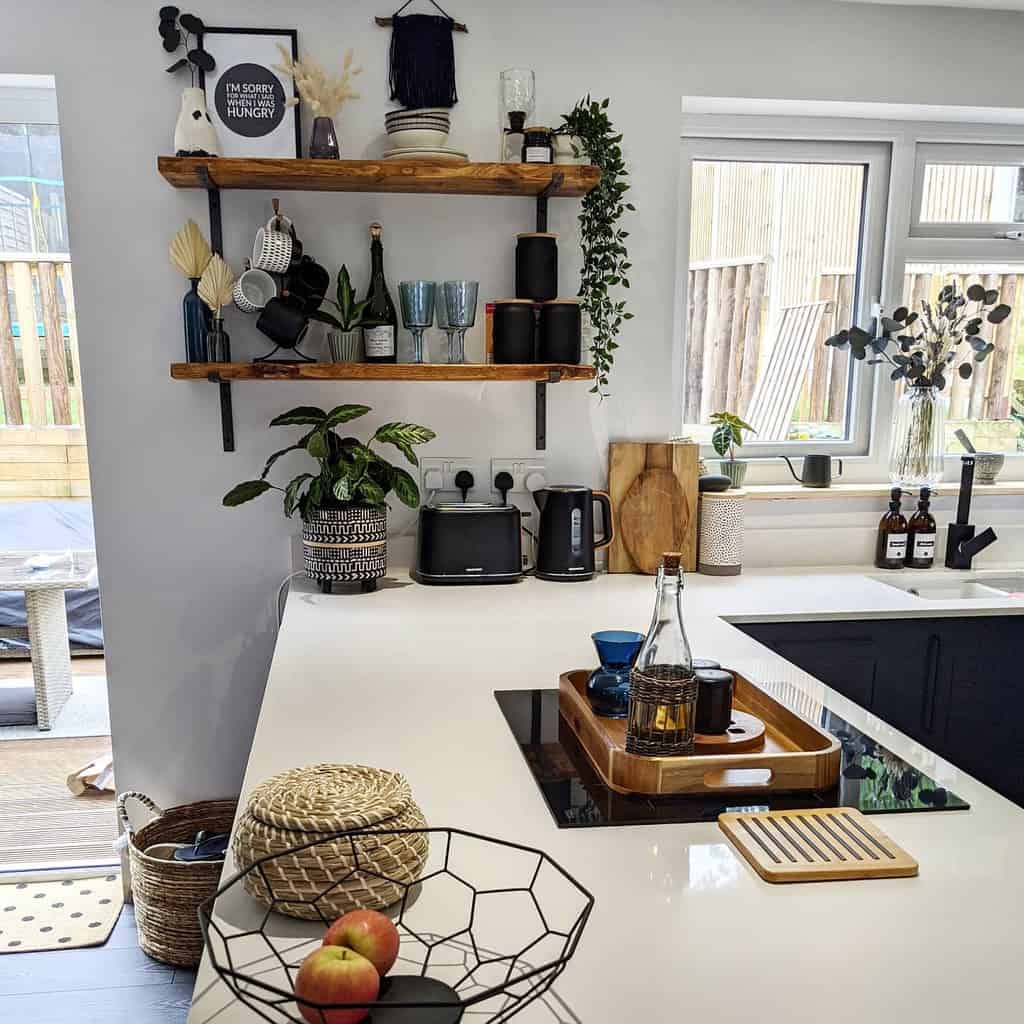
(324, 94)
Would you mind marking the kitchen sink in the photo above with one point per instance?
(1012, 583)
(950, 590)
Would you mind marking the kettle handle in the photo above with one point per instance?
(603, 499)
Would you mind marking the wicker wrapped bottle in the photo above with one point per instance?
(662, 686)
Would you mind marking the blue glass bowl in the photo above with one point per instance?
(608, 686)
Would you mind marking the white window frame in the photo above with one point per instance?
(875, 157)
(904, 129)
(991, 154)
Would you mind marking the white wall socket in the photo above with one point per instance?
(438, 474)
(519, 469)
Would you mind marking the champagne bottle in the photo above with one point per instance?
(380, 322)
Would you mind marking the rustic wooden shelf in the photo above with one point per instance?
(544, 373)
(379, 176)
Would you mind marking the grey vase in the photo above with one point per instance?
(323, 144)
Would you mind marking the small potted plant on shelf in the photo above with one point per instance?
(344, 504)
(727, 437)
(344, 339)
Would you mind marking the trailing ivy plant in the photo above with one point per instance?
(349, 472)
(605, 260)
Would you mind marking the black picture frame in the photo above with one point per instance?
(288, 36)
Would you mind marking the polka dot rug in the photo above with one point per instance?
(59, 914)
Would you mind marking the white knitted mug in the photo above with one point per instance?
(272, 250)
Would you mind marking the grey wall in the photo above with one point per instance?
(188, 588)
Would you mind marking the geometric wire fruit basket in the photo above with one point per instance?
(485, 930)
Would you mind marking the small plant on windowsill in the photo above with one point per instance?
(344, 504)
(727, 437)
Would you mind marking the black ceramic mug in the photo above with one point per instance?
(307, 284)
(284, 322)
(514, 325)
(560, 332)
(536, 266)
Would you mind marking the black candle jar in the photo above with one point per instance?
(513, 331)
(714, 701)
(560, 332)
(536, 266)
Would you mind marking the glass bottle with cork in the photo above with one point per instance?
(380, 321)
(663, 688)
(891, 550)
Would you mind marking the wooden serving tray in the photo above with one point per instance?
(821, 845)
(796, 754)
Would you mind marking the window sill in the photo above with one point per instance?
(794, 492)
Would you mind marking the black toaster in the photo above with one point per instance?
(468, 543)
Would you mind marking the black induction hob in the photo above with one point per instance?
(872, 778)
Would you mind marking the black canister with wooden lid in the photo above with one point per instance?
(536, 266)
(560, 334)
(514, 327)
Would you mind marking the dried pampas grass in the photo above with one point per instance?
(216, 283)
(190, 252)
(323, 94)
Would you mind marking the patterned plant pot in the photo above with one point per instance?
(346, 544)
(735, 470)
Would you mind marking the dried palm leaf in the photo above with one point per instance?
(216, 283)
(190, 252)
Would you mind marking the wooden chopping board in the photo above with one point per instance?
(653, 491)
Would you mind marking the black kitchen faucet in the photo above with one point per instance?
(962, 543)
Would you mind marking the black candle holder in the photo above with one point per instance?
(487, 928)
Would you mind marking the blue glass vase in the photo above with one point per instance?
(608, 686)
(197, 323)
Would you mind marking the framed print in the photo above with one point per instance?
(246, 95)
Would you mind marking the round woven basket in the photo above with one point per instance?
(309, 804)
(167, 893)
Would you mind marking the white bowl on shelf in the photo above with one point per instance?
(417, 138)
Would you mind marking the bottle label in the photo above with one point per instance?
(896, 546)
(924, 546)
(379, 341)
(537, 154)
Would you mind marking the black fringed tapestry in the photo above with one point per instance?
(422, 62)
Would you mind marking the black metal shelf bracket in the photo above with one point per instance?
(557, 179)
(554, 376)
(227, 417)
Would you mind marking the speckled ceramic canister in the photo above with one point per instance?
(720, 541)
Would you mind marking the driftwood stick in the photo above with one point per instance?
(457, 26)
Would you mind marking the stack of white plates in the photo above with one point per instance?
(420, 135)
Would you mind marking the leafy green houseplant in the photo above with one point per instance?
(726, 438)
(344, 338)
(343, 504)
(924, 349)
(605, 259)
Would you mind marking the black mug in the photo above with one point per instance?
(284, 322)
(307, 283)
(817, 470)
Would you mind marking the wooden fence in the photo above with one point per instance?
(724, 332)
(42, 443)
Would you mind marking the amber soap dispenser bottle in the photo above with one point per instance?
(921, 530)
(891, 552)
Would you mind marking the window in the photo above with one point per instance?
(968, 191)
(784, 241)
(32, 213)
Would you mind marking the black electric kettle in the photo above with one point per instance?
(565, 537)
(817, 470)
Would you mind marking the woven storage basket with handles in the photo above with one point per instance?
(307, 804)
(167, 893)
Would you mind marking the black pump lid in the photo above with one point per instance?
(924, 499)
(895, 495)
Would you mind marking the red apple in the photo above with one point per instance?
(334, 974)
(370, 934)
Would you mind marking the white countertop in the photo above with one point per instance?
(404, 679)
